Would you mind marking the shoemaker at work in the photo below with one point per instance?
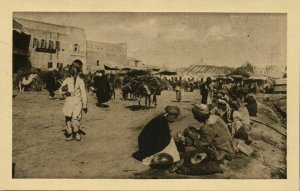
(211, 134)
(73, 88)
(156, 137)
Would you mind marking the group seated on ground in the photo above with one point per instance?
(220, 133)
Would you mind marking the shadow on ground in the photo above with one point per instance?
(138, 107)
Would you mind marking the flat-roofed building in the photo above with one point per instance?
(100, 54)
(52, 46)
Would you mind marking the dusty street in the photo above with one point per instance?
(40, 151)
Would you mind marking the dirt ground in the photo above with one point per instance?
(40, 151)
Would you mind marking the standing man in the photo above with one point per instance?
(76, 101)
(112, 84)
(204, 90)
(102, 87)
(51, 82)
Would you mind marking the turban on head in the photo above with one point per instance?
(200, 110)
(234, 105)
(208, 80)
(76, 66)
(172, 110)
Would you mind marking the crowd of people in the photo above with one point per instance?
(221, 132)
(222, 115)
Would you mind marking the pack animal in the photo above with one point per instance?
(144, 91)
(128, 91)
(25, 82)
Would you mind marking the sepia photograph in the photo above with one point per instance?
(149, 95)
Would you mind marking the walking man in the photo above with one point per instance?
(76, 101)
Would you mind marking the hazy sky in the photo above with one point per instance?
(181, 39)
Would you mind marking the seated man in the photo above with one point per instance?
(236, 117)
(240, 123)
(211, 134)
(156, 137)
(251, 105)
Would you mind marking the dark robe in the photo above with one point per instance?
(51, 82)
(155, 136)
(102, 89)
(251, 105)
(204, 93)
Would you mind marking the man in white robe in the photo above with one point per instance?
(76, 101)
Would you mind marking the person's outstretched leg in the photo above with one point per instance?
(76, 128)
(70, 135)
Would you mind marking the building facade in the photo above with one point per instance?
(99, 54)
(52, 46)
(273, 71)
(133, 62)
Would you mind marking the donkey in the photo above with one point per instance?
(144, 91)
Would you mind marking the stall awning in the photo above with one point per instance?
(257, 78)
(110, 67)
(167, 71)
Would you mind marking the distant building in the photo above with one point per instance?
(274, 71)
(133, 62)
(53, 46)
(99, 54)
(203, 71)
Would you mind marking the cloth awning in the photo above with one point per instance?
(17, 26)
(133, 68)
(110, 67)
(257, 78)
(237, 76)
(167, 71)
(21, 43)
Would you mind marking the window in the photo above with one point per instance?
(57, 45)
(50, 44)
(76, 48)
(34, 44)
(38, 44)
(59, 65)
(43, 44)
(97, 62)
(50, 64)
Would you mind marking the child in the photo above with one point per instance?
(76, 101)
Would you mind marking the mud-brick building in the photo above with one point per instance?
(133, 62)
(52, 46)
(99, 54)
